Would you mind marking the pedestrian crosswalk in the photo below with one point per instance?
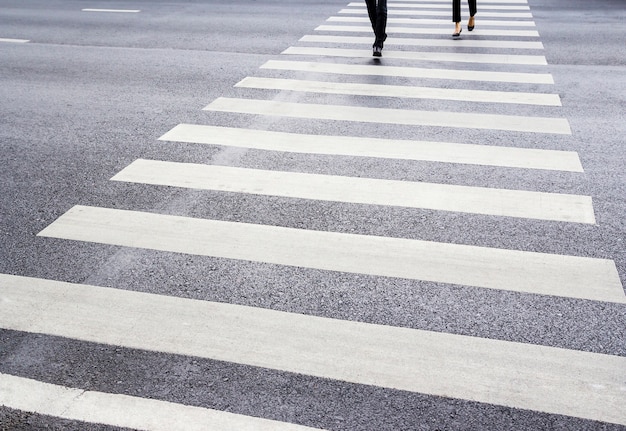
(509, 374)
(411, 72)
(442, 197)
(334, 77)
(395, 29)
(467, 120)
(444, 152)
(515, 270)
(424, 56)
(424, 42)
(123, 410)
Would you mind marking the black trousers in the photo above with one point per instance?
(456, 9)
(377, 11)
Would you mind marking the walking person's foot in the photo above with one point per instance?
(470, 24)
(378, 51)
(457, 29)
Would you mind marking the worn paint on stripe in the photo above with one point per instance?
(398, 12)
(123, 410)
(482, 1)
(444, 152)
(391, 116)
(401, 91)
(411, 21)
(419, 30)
(519, 375)
(445, 6)
(441, 197)
(410, 72)
(540, 273)
(448, 43)
(530, 60)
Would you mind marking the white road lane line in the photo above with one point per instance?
(418, 21)
(123, 410)
(531, 60)
(520, 271)
(395, 12)
(444, 152)
(457, 74)
(448, 43)
(112, 10)
(421, 30)
(391, 116)
(7, 40)
(519, 375)
(401, 91)
(440, 197)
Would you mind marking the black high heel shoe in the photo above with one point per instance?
(457, 33)
(470, 27)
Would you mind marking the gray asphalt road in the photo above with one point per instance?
(91, 92)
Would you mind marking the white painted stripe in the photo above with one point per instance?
(410, 72)
(531, 60)
(401, 91)
(519, 375)
(520, 271)
(412, 21)
(444, 152)
(13, 40)
(122, 410)
(418, 30)
(444, 6)
(440, 197)
(464, 120)
(397, 12)
(482, 1)
(465, 43)
(112, 10)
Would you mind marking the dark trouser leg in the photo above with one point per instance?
(456, 10)
(381, 22)
(371, 11)
(377, 11)
(472, 7)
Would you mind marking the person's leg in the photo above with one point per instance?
(456, 17)
(371, 11)
(381, 23)
(456, 10)
(472, 7)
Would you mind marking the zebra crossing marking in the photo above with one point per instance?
(410, 72)
(513, 270)
(444, 152)
(427, 21)
(531, 60)
(400, 91)
(396, 12)
(442, 197)
(422, 30)
(487, 2)
(124, 410)
(445, 6)
(466, 43)
(519, 375)
(391, 116)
